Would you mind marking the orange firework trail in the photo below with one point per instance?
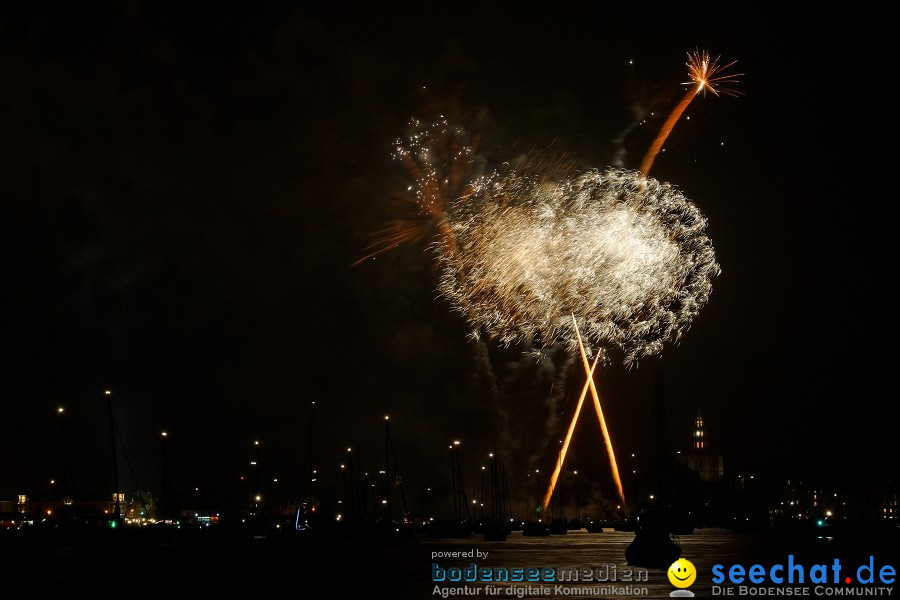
(705, 74)
(609, 448)
(565, 447)
(589, 369)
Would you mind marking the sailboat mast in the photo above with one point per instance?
(311, 470)
(387, 470)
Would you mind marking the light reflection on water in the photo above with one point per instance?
(410, 576)
(408, 568)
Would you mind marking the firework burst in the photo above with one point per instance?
(627, 255)
(438, 158)
(708, 75)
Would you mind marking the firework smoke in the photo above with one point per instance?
(623, 253)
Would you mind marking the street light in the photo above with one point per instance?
(62, 450)
(255, 464)
(459, 490)
(112, 434)
(577, 499)
(164, 436)
(482, 491)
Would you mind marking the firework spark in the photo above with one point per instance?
(627, 255)
(706, 75)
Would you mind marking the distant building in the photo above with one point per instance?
(801, 500)
(889, 508)
(699, 489)
(709, 465)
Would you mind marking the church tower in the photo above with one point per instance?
(710, 466)
(699, 441)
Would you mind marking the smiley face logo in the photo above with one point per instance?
(682, 573)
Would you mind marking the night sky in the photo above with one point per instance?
(185, 191)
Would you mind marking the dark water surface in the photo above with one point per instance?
(332, 567)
